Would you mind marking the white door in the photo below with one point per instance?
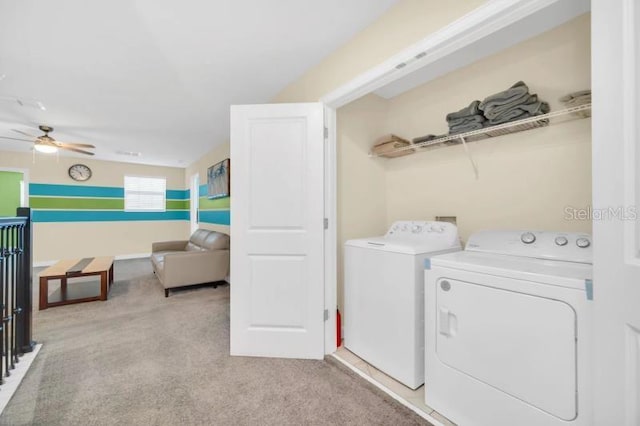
(277, 230)
(195, 201)
(616, 192)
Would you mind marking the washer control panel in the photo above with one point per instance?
(420, 230)
(565, 246)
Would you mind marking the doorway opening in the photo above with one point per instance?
(194, 202)
(14, 191)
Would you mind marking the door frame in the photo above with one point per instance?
(194, 195)
(482, 23)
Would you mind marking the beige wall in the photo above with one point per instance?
(53, 241)
(526, 179)
(362, 201)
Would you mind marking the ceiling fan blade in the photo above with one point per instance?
(76, 145)
(16, 139)
(23, 133)
(81, 151)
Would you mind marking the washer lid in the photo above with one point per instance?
(395, 245)
(552, 272)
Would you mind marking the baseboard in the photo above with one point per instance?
(118, 257)
(12, 382)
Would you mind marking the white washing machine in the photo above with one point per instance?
(508, 324)
(384, 296)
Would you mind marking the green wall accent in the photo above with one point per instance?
(177, 204)
(9, 193)
(76, 203)
(217, 203)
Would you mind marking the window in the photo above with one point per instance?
(144, 193)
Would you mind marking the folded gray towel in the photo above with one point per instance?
(494, 110)
(574, 95)
(517, 91)
(472, 109)
(466, 120)
(465, 128)
(523, 111)
(426, 138)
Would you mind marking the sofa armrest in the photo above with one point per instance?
(195, 267)
(168, 246)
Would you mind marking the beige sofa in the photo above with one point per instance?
(204, 258)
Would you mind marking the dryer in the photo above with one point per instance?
(508, 325)
(384, 296)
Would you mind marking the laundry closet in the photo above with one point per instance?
(533, 179)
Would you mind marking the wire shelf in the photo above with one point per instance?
(493, 131)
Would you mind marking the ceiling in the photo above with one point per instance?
(158, 76)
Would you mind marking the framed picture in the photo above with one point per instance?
(218, 179)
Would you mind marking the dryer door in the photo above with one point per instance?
(520, 344)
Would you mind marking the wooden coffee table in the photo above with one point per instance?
(73, 268)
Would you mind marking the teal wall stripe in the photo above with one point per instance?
(218, 217)
(177, 194)
(75, 190)
(202, 191)
(45, 189)
(105, 216)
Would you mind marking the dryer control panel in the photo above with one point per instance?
(563, 246)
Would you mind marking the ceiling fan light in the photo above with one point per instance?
(46, 149)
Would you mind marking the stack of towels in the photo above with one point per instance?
(574, 99)
(515, 103)
(467, 119)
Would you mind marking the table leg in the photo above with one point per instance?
(111, 275)
(44, 293)
(63, 288)
(103, 285)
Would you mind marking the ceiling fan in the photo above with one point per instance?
(47, 144)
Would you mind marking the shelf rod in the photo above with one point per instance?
(473, 163)
(486, 130)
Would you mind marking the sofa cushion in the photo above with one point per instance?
(198, 237)
(216, 241)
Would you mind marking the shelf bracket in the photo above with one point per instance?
(473, 163)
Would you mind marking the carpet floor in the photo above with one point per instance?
(143, 359)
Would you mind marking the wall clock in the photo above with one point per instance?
(79, 172)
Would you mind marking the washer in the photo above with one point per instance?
(384, 296)
(507, 330)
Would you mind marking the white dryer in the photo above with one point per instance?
(384, 296)
(508, 324)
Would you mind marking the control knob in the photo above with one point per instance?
(583, 242)
(528, 238)
(561, 241)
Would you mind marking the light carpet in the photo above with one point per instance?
(142, 359)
